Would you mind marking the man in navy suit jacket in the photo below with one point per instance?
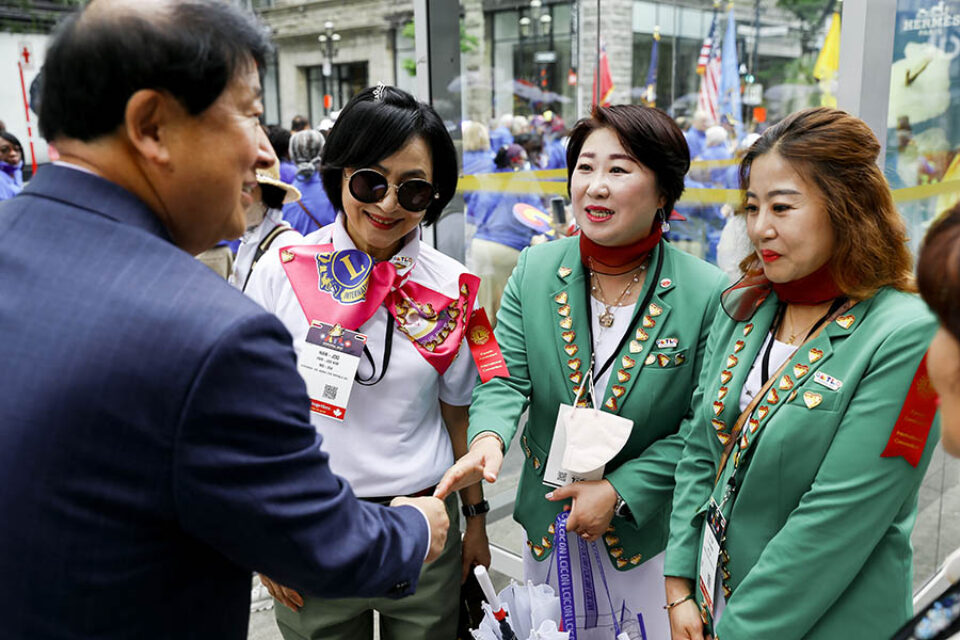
(155, 445)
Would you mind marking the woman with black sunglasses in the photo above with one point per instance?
(378, 320)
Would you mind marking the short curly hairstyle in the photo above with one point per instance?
(649, 135)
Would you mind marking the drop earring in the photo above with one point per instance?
(664, 225)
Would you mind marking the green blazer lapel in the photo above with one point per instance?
(739, 354)
(568, 319)
(641, 349)
(801, 380)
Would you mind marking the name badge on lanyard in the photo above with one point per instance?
(328, 363)
(714, 528)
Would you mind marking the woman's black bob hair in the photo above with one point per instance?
(371, 128)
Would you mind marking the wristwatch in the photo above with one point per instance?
(621, 509)
(470, 510)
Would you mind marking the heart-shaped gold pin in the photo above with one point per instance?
(732, 361)
(552, 529)
(617, 552)
(738, 346)
(571, 349)
(800, 370)
(654, 309)
(650, 359)
(635, 560)
(566, 323)
(762, 411)
(786, 383)
(574, 364)
(546, 542)
(649, 322)
(627, 362)
(744, 442)
(617, 390)
(723, 437)
(564, 310)
(611, 403)
(576, 378)
(563, 272)
(611, 540)
(642, 335)
(773, 397)
(793, 394)
(753, 425)
(719, 425)
(725, 376)
(537, 550)
(621, 563)
(560, 298)
(568, 336)
(286, 256)
(747, 329)
(635, 347)
(812, 399)
(722, 393)
(846, 321)
(663, 359)
(622, 375)
(717, 408)
(814, 355)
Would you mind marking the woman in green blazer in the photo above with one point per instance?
(811, 439)
(618, 305)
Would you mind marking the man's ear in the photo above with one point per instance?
(149, 120)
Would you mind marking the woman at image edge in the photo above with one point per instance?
(616, 294)
(817, 542)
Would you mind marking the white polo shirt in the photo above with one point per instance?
(393, 440)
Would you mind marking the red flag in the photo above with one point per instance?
(707, 47)
(606, 79)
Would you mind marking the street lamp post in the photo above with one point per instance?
(328, 40)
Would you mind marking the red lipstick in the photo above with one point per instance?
(769, 256)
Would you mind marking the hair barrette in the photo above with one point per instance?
(378, 92)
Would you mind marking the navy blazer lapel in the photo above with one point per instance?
(83, 190)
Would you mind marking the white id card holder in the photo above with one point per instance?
(584, 441)
(328, 363)
(714, 527)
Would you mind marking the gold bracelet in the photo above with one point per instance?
(489, 434)
(677, 603)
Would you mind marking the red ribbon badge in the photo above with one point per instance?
(484, 348)
(909, 437)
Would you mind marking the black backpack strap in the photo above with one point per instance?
(262, 249)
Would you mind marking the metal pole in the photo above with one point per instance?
(596, 77)
(756, 40)
(673, 63)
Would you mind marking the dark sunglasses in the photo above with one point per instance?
(369, 186)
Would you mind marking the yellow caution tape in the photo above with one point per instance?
(546, 183)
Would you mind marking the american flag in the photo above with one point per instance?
(710, 86)
(707, 47)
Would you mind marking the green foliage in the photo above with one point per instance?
(468, 44)
(806, 10)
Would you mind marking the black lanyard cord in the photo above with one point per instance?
(778, 320)
(638, 311)
(387, 348)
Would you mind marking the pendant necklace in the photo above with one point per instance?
(606, 318)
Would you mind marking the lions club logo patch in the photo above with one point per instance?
(344, 275)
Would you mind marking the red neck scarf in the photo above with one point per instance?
(742, 299)
(617, 260)
(813, 289)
